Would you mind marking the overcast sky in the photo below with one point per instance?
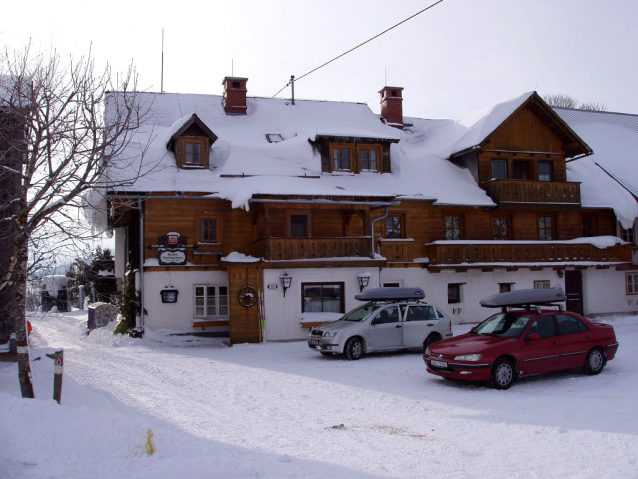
(459, 56)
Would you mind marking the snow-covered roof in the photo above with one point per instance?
(243, 163)
(482, 123)
(610, 176)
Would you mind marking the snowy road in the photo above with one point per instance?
(275, 410)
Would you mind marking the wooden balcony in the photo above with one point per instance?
(524, 193)
(487, 252)
(277, 249)
(400, 251)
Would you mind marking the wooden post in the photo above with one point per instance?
(58, 364)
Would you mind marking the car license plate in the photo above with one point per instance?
(314, 342)
(438, 364)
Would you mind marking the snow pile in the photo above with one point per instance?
(236, 257)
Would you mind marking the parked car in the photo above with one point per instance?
(523, 342)
(392, 319)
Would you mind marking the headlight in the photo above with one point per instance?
(329, 334)
(468, 357)
(427, 350)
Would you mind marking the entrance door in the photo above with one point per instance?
(574, 291)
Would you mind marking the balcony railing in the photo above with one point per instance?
(275, 249)
(400, 251)
(523, 191)
(455, 253)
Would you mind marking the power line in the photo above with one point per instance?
(360, 45)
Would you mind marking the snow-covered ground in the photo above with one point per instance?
(281, 410)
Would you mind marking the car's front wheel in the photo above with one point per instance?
(503, 374)
(595, 361)
(432, 338)
(354, 349)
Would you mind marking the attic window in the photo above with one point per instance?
(193, 153)
(274, 137)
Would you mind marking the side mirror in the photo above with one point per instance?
(374, 321)
(533, 337)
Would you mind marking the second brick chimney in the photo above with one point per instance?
(235, 95)
(392, 106)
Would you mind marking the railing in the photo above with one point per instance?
(312, 248)
(400, 251)
(522, 191)
(456, 254)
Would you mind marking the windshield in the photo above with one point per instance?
(361, 313)
(505, 325)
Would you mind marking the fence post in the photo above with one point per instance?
(58, 364)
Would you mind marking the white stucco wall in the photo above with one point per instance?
(477, 285)
(604, 292)
(180, 315)
(283, 315)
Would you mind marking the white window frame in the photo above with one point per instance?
(631, 282)
(218, 298)
(542, 284)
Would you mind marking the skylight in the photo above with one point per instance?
(274, 137)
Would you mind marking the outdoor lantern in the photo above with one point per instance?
(169, 295)
(364, 280)
(286, 281)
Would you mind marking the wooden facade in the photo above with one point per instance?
(535, 209)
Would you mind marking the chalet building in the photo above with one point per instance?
(258, 217)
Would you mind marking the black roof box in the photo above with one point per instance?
(391, 294)
(525, 297)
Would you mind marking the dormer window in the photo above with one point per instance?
(355, 157)
(191, 144)
(193, 152)
(341, 156)
(369, 157)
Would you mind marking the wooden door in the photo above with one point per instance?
(574, 291)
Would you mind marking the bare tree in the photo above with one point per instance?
(566, 101)
(561, 100)
(55, 146)
(593, 106)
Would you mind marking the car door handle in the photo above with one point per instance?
(429, 324)
(554, 342)
(398, 326)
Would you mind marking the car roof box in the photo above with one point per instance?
(525, 297)
(391, 294)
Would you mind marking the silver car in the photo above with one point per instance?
(387, 325)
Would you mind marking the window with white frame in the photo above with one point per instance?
(542, 284)
(632, 282)
(211, 301)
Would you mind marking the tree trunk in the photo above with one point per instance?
(24, 366)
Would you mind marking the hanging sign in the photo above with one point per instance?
(172, 249)
(169, 256)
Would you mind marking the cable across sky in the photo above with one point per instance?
(359, 45)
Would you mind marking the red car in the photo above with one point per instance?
(520, 343)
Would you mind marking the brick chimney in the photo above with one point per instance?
(235, 95)
(392, 106)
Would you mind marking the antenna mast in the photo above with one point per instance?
(162, 84)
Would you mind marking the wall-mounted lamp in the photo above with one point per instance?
(286, 281)
(169, 295)
(560, 273)
(364, 280)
